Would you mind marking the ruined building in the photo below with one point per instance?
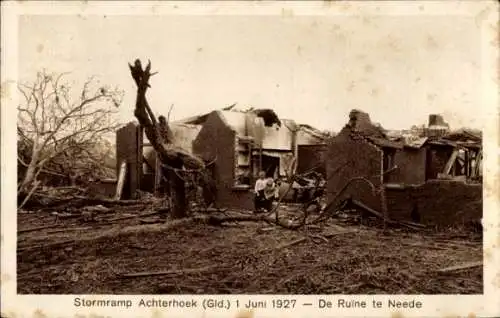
(240, 144)
(433, 179)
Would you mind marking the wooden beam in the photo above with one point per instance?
(121, 180)
(451, 161)
(158, 174)
(479, 159)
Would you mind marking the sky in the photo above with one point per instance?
(311, 69)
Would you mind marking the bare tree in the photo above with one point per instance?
(175, 161)
(58, 125)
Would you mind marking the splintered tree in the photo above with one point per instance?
(58, 126)
(174, 159)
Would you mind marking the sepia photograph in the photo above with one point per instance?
(290, 154)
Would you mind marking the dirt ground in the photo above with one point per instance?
(77, 257)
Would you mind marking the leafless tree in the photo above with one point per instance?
(58, 125)
(175, 161)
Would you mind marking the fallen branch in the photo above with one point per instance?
(111, 233)
(172, 272)
(136, 216)
(104, 201)
(319, 237)
(44, 246)
(71, 229)
(37, 228)
(78, 201)
(461, 267)
(433, 247)
(218, 220)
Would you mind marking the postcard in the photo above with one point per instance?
(250, 159)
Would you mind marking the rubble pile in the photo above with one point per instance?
(120, 254)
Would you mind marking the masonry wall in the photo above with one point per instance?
(411, 166)
(312, 157)
(217, 140)
(347, 158)
(440, 203)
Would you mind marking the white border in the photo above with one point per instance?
(485, 13)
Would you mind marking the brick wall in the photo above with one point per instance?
(439, 203)
(311, 157)
(216, 139)
(411, 166)
(349, 157)
(400, 203)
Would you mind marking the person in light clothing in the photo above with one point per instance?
(260, 185)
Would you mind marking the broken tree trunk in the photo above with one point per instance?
(174, 159)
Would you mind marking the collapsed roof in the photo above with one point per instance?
(274, 132)
(269, 116)
(360, 123)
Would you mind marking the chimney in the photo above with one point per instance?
(359, 120)
(436, 120)
(437, 126)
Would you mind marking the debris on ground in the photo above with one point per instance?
(131, 249)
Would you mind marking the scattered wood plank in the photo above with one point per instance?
(121, 180)
(150, 221)
(381, 216)
(462, 244)
(266, 229)
(366, 208)
(319, 237)
(413, 224)
(461, 267)
(137, 215)
(44, 246)
(172, 272)
(433, 247)
(38, 228)
(71, 229)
